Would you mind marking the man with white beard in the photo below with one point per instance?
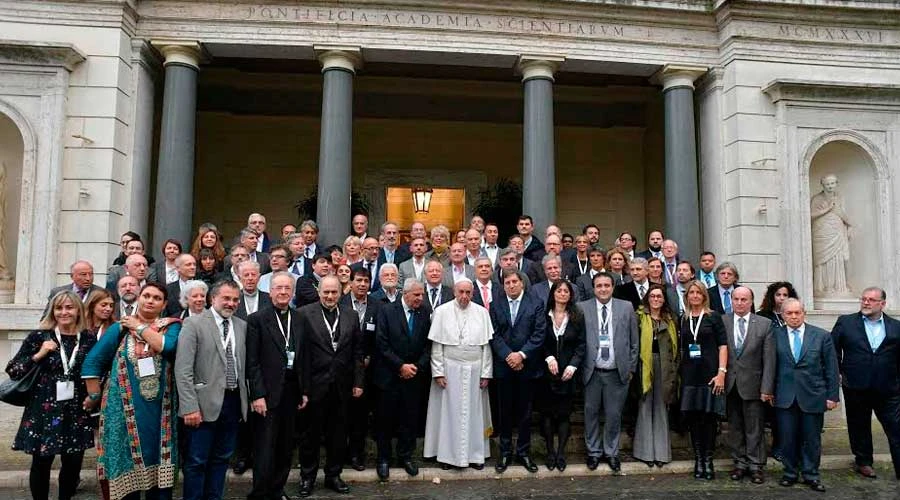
(461, 365)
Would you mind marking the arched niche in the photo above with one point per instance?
(12, 159)
(863, 186)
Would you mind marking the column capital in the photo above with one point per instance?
(678, 75)
(538, 65)
(185, 52)
(345, 57)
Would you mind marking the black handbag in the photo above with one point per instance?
(18, 392)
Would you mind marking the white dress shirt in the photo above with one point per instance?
(610, 363)
(737, 327)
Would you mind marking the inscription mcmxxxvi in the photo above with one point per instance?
(830, 34)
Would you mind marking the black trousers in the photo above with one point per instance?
(860, 405)
(399, 411)
(39, 478)
(515, 395)
(800, 435)
(274, 444)
(358, 427)
(326, 416)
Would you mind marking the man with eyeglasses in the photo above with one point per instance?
(370, 261)
(280, 258)
(868, 352)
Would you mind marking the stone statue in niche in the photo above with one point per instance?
(831, 233)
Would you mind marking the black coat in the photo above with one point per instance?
(568, 351)
(862, 369)
(261, 303)
(526, 335)
(396, 347)
(321, 364)
(307, 291)
(628, 291)
(267, 357)
(368, 328)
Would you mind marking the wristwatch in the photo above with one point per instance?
(723, 370)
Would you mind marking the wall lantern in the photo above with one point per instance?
(421, 200)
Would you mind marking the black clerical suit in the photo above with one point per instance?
(400, 400)
(363, 407)
(332, 365)
(307, 291)
(271, 335)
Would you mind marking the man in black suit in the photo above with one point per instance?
(257, 222)
(299, 266)
(367, 309)
(584, 284)
(511, 259)
(308, 286)
(435, 292)
(553, 272)
(533, 248)
(333, 371)
(371, 261)
(519, 321)
(249, 239)
(720, 295)
(806, 386)
(186, 266)
(868, 353)
(484, 289)
(634, 292)
(273, 344)
(390, 253)
(82, 274)
(654, 245)
(252, 299)
(552, 244)
(402, 373)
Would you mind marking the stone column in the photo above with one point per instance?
(336, 143)
(145, 67)
(175, 173)
(682, 187)
(538, 151)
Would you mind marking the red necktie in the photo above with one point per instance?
(484, 297)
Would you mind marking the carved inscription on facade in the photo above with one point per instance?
(830, 34)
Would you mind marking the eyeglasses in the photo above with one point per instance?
(866, 300)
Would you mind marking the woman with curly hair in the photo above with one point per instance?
(208, 236)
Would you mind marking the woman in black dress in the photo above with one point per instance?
(55, 421)
(563, 351)
(704, 362)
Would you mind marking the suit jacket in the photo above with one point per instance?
(396, 346)
(400, 255)
(860, 367)
(321, 363)
(408, 270)
(715, 300)
(498, 274)
(173, 300)
(496, 293)
(629, 292)
(447, 279)
(811, 380)
(261, 257)
(535, 250)
(159, 270)
(752, 370)
(307, 291)
(568, 350)
(625, 337)
(267, 354)
(69, 288)
(266, 241)
(646, 254)
(536, 273)
(584, 287)
(262, 302)
(526, 335)
(672, 298)
(368, 327)
(444, 295)
(381, 296)
(304, 263)
(541, 292)
(115, 273)
(200, 366)
(375, 285)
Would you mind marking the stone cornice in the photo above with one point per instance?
(142, 53)
(818, 92)
(94, 13)
(50, 54)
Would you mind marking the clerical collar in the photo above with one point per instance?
(282, 311)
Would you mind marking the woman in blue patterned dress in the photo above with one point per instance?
(137, 449)
(55, 421)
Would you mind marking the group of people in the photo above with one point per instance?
(273, 347)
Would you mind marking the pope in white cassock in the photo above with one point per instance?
(459, 411)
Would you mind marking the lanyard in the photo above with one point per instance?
(67, 362)
(695, 331)
(229, 340)
(332, 328)
(669, 274)
(778, 320)
(583, 269)
(286, 335)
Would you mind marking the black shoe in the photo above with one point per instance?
(528, 463)
(383, 470)
(240, 467)
(410, 468)
(477, 466)
(614, 464)
(446, 466)
(561, 463)
(698, 467)
(737, 474)
(787, 482)
(502, 464)
(337, 484)
(815, 485)
(551, 462)
(306, 487)
(593, 463)
(357, 463)
(757, 477)
(709, 472)
(659, 464)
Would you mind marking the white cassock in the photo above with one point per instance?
(459, 416)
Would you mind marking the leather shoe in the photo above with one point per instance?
(787, 482)
(528, 463)
(357, 463)
(757, 477)
(337, 484)
(383, 470)
(446, 466)
(240, 467)
(866, 471)
(614, 464)
(477, 466)
(502, 464)
(551, 462)
(593, 463)
(815, 485)
(561, 463)
(410, 468)
(737, 474)
(306, 487)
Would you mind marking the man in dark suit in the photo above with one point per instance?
(127, 293)
(634, 292)
(333, 371)
(435, 292)
(484, 289)
(806, 386)
(868, 353)
(654, 245)
(402, 373)
(390, 253)
(299, 266)
(552, 244)
(749, 382)
(533, 248)
(720, 295)
(308, 286)
(82, 274)
(249, 239)
(252, 299)
(610, 360)
(511, 259)
(519, 321)
(274, 339)
(370, 262)
(366, 308)
(584, 283)
(553, 272)
(257, 222)
(186, 266)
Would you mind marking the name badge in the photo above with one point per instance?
(604, 342)
(370, 327)
(290, 359)
(146, 368)
(65, 390)
(694, 350)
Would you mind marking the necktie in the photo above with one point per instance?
(360, 311)
(513, 310)
(671, 271)
(129, 310)
(309, 252)
(708, 281)
(409, 322)
(604, 330)
(742, 334)
(726, 302)
(434, 297)
(485, 296)
(298, 268)
(640, 292)
(230, 373)
(796, 345)
(82, 293)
